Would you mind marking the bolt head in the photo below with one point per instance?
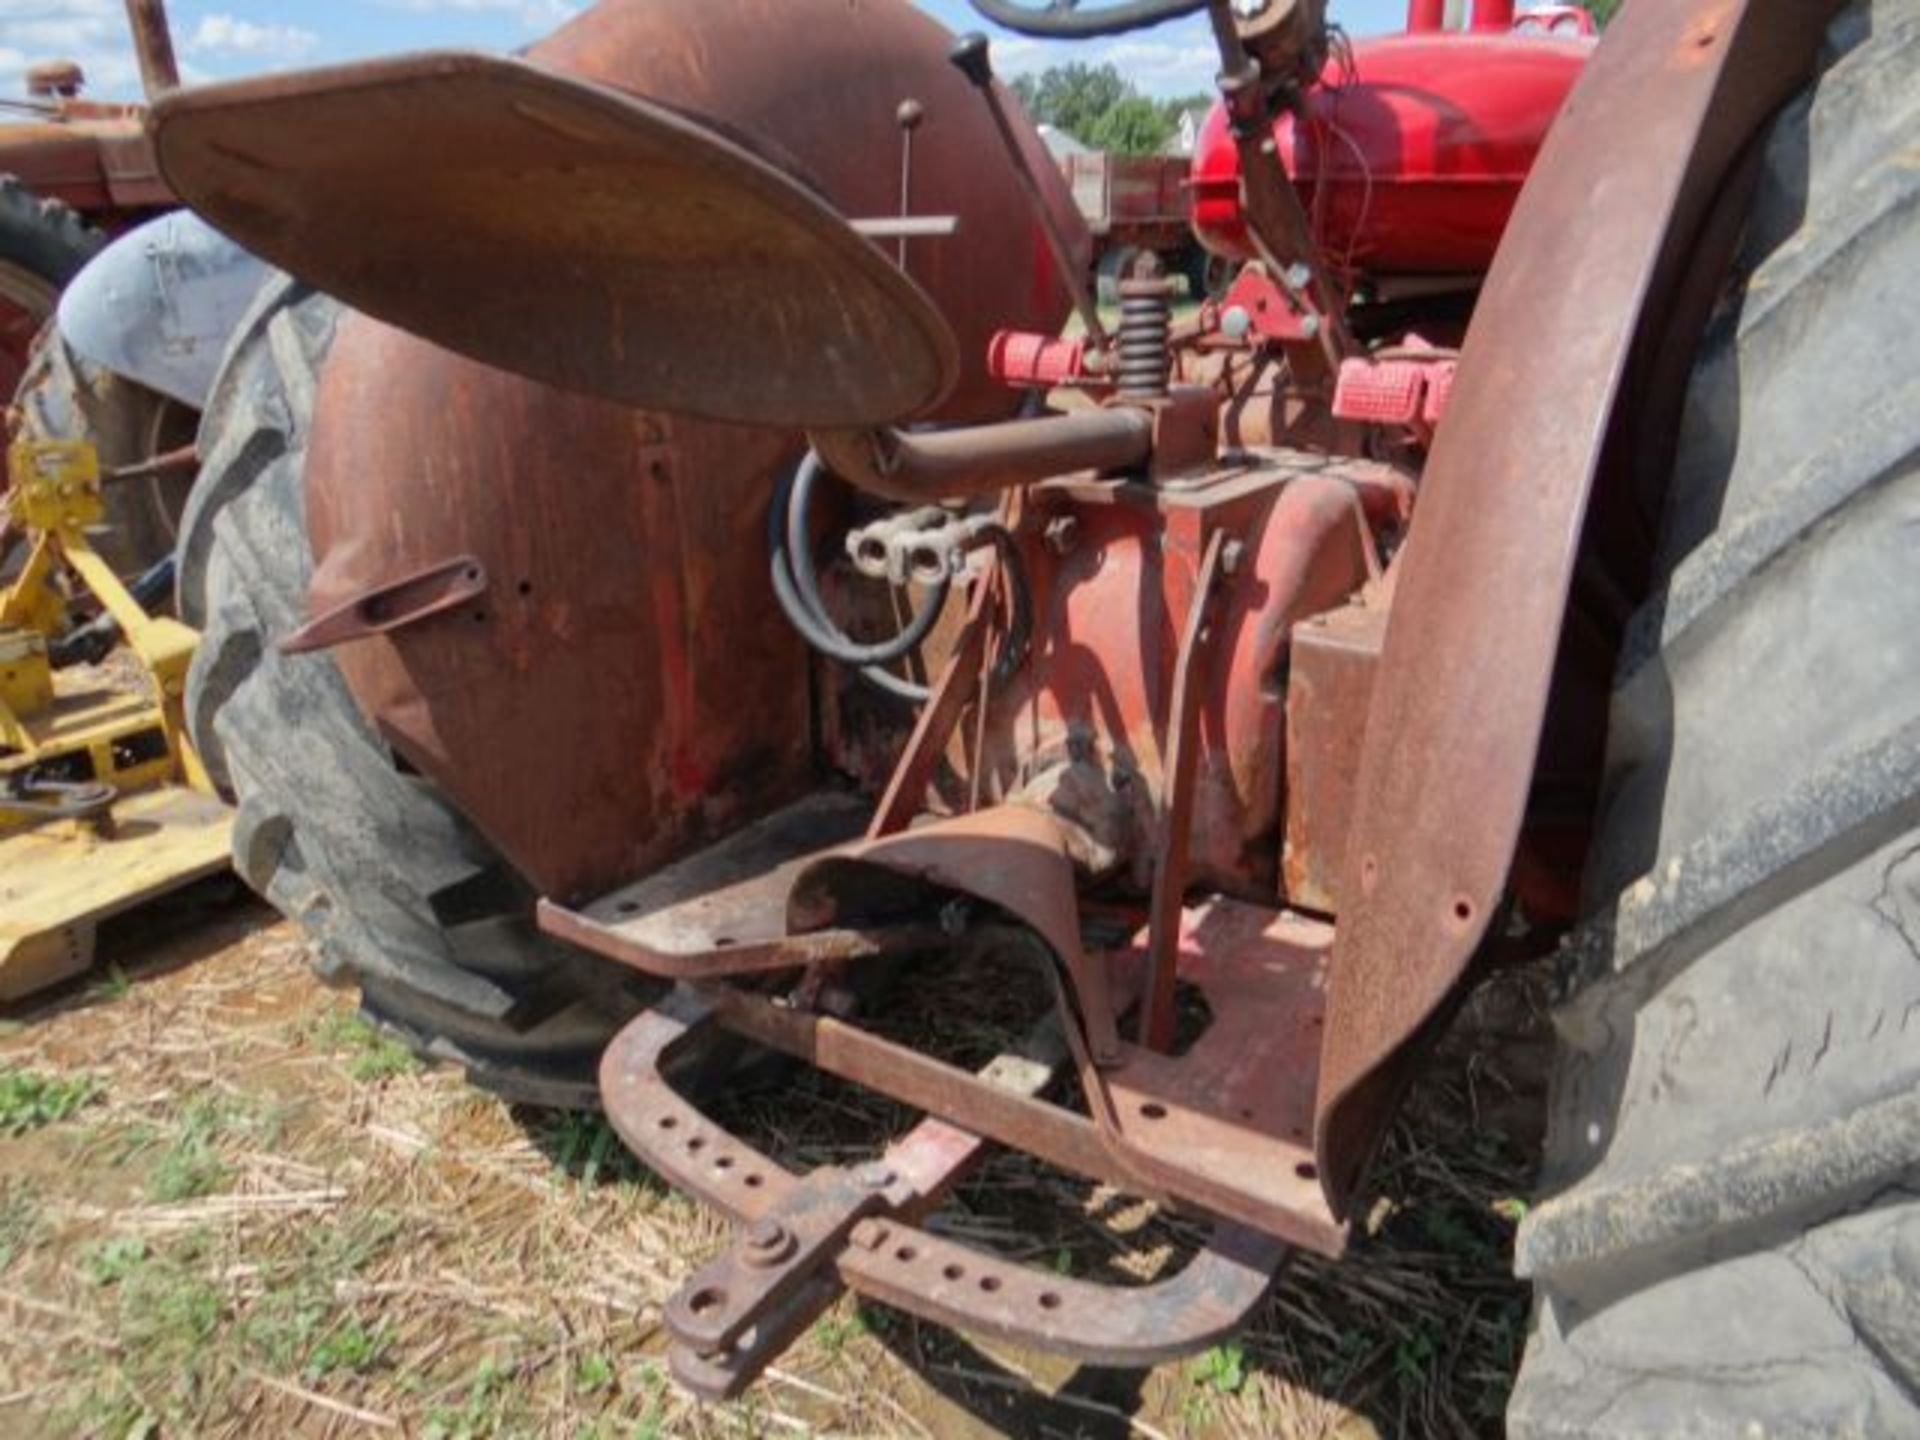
(876, 1175)
(1235, 322)
(768, 1242)
(766, 1234)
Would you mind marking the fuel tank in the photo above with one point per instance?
(626, 690)
(1410, 160)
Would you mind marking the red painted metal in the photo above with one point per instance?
(1426, 16)
(1017, 357)
(1480, 605)
(1493, 15)
(1414, 164)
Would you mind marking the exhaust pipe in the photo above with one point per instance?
(923, 468)
(153, 44)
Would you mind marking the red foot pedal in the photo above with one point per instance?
(1387, 392)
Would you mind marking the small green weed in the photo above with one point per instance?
(1413, 1356)
(487, 1410)
(592, 1374)
(349, 1347)
(295, 1325)
(31, 1101)
(834, 1332)
(112, 1260)
(114, 985)
(376, 1055)
(1223, 1369)
(585, 1146)
(19, 1220)
(191, 1166)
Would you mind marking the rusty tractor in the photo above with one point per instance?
(73, 173)
(77, 179)
(666, 578)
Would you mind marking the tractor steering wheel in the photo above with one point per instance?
(1066, 20)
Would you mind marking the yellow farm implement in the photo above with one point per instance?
(103, 803)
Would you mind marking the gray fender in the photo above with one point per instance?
(159, 304)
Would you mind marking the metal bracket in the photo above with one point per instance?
(392, 606)
(805, 1239)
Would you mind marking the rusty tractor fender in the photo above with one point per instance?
(1599, 252)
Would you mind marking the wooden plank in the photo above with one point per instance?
(58, 881)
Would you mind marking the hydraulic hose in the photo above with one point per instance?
(796, 587)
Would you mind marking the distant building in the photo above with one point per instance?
(1186, 134)
(1060, 144)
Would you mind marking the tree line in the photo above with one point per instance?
(1102, 109)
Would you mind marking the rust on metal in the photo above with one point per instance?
(1015, 859)
(1227, 1123)
(923, 468)
(886, 1255)
(959, 683)
(1057, 1136)
(624, 542)
(722, 910)
(627, 220)
(153, 44)
(1469, 654)
(777, 1255)
(381, 609)
(1334, 657)
(1170, 871)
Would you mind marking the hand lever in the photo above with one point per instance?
(970, 57)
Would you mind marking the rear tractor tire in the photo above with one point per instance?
(1732, 1242)
(43, 245)
(397, 893)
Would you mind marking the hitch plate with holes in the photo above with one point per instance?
(805, 1239)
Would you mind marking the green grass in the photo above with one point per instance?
(374, 1055)
(349, 1347)
(191, 1165)
(592, 1374)
(164, 1312)
(297, 1324)
(19, 1220)
(489, 1408)
(31, 1101)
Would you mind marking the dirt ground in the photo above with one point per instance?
(229, 1208)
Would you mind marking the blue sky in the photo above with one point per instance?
(223, 38)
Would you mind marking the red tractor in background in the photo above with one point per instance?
(72, 175)
(1476, 579)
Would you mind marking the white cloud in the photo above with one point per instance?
(1175, 60)
(227, 34)
(92, 32)
(534, 14)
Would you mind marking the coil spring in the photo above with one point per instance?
(1146, 327)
